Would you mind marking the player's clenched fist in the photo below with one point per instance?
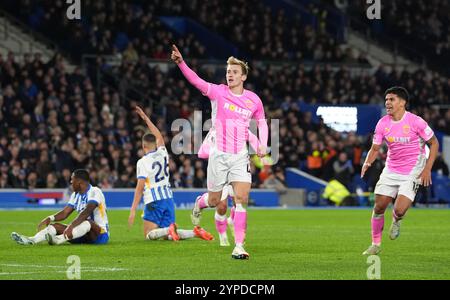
(176, 55)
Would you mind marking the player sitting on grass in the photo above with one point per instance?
(90, 226)
(153, 182)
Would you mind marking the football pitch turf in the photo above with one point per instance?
(283, 244)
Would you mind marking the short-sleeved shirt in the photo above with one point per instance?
(94, 195)
(153, 167)
(406, 142)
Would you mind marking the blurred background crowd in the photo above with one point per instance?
(53, 120)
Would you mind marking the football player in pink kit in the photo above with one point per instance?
(233, 108)
(407, 167)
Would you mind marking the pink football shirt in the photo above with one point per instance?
(405, 140)
(231, 114)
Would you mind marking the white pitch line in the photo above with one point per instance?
(18, 273)
(31, 266)
(88, 269)
(51, 272)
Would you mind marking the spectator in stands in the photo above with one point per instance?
(440, 166)
(272, 182)
(343, 169)
(51, 181)
(200, 179)
(64, 178)
(4, 181)
(315, 160)
(337, 194)
(32, 181)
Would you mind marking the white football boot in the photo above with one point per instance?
(21, 239)
(239, 253)
(196, 213)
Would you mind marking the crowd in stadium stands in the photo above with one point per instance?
(423, 25)
(52, 122)
(133, 28)
(108, 27)
(261, 34)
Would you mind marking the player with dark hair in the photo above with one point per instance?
(407, 167)
(153, 183)
(90, 226)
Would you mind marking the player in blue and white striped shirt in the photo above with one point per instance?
(89, 227)
(153, 183)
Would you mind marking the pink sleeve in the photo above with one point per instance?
(423, 130)
(378, 135)
(263, 129)
(254, 142)
(194, 79)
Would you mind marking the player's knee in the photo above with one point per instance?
(221, 208)
(399, 212)
(52, 230)
(58, 227)
(379, 210)
(151, 235)
(213, 200)
(241, 198)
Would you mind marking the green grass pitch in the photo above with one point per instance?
(283, 244)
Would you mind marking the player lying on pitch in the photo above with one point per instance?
(90, 226)
(153, 183)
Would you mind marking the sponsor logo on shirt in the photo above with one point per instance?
(398, 139)
(237, 109)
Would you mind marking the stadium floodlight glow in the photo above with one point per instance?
(342, 119)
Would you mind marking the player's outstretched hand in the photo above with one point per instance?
(425, 178)
(131, 218)
(44, 223)
(176, 55)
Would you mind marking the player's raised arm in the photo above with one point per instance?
(190, 75)
(153, 129)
